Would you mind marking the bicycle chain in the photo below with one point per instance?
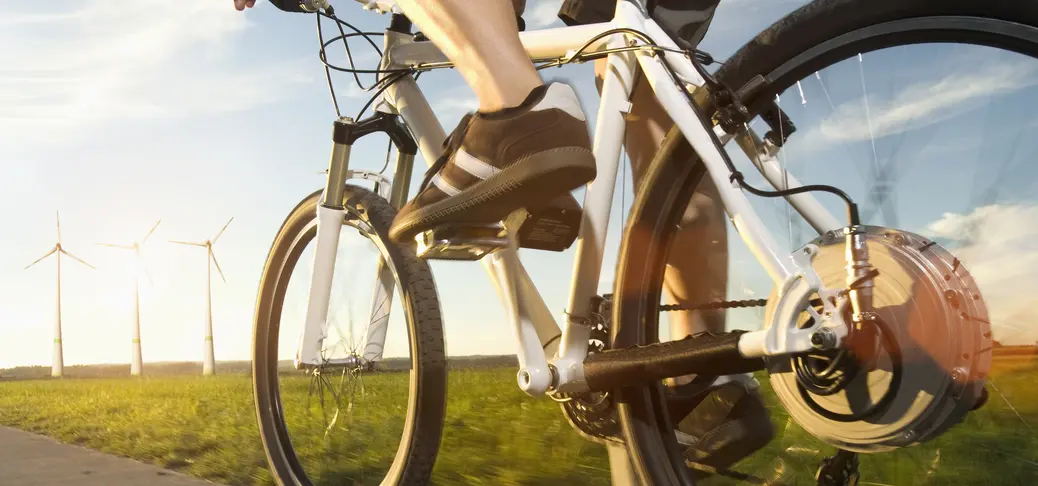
(724, 304)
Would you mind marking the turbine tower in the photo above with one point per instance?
(136, 360)
(209, 363)
(58, 363)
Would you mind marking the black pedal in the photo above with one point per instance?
(551, 227)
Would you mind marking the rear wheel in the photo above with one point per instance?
(922, 112)
(372, 412)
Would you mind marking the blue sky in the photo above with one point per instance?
(119, 114)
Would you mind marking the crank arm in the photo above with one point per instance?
(704, 353)
(733, 352)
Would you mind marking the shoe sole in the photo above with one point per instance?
(544, 175)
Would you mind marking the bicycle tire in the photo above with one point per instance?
(804, 41)
(428, 385)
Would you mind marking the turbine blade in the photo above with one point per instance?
(213, 256)
(217, 237)
(152, 230)
(203, 245)
(80, 260)
(113, 245)
(57, 218)
(38, 260)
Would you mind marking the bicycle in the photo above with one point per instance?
(833, 326)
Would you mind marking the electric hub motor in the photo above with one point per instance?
(922, 369)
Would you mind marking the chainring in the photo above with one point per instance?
(593, 414)
(934, 311)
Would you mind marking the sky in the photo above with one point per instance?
(122, 114)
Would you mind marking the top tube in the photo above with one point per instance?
(548, 44)
(390, 6)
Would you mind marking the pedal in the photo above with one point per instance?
(552, 227)
(471, 242)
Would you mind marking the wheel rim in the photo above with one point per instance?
(799, 455)
(351, 418)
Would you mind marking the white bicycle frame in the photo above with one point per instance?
(542, 368)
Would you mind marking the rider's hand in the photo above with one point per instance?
(240, 5)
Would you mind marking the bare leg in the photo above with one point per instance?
(698, 273)
(481, 38)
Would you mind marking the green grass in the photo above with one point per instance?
(206, 427)
(493, 433)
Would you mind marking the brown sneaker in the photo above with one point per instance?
(496, 163)
(723, 423)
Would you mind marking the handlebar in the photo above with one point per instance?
(300, 6)
(311, 6)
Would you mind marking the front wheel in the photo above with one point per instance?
(372, 412)
(919, 110)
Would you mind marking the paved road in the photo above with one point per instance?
(34, 460)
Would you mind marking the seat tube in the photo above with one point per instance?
(330, 214)
(587, 268)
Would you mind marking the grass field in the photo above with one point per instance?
(493, 434)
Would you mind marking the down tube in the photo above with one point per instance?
(598, 200)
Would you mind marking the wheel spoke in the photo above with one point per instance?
(339, 432)
(1011, 407)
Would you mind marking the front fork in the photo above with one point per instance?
(331, 213)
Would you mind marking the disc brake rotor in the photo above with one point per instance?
(931, 359)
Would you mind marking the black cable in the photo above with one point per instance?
(381, 84)
(877, 407)
(389, 81)
(353, 69)
(736, 175)
(641, 35)
(700, 55)
(327, 72)
(366, 35)
(389, 149)
(349, 54)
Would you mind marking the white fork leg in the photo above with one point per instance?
(329, 225)
(378, 320)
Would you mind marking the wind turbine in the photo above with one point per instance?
(136, 361)
(209, 363)
(58, 364)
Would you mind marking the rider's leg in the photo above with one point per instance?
(720, 423)
(528, 143)
(481, 38)
(699, 272)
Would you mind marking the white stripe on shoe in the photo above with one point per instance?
(444, 186)
(474, 166)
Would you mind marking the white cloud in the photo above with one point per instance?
(919, 105)
(1000, 249)
(543, 14)
(450, 107)
(99, 61)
